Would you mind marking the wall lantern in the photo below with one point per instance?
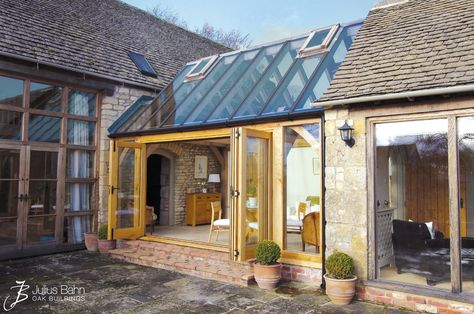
(346, 134)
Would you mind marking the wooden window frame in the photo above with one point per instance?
(454, 207)
(306, 51)
(203, 72)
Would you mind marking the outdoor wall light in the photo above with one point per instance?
(346, 134)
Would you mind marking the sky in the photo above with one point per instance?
(263, 20)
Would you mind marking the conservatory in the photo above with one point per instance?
(229, 153)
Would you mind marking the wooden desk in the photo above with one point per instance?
(198, 207)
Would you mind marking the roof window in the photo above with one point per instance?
(318, 41)
(142, 64)
(200, 69)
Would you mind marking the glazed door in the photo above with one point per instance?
(126, 195)
(251, 161)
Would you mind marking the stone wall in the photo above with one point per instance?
(112, 107)
(184, 156)
(346, 190)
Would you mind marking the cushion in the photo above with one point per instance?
(222, 222)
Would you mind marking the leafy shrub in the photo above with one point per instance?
(340, 266)
(102, 232)
(267, 252)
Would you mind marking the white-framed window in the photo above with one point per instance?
(200, 69)
(318, 41)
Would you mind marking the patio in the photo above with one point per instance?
(102, 284)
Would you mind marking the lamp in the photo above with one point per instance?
(214, 178)
(346, 134)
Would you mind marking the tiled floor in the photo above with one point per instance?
(102, 285)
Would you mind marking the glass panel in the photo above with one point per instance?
(11, 91)
(466, 186)
(79, 196)
(80, 163)
(200, 66)
(42, 183)
(256, 181)
(270, 81)
(8, 234)
(43, 165)
(293, 85)
(74, 228)
(199, 92)
(44, 129)
(412, 207)
(128, 203)
(10, 125)
(302, 162)
(9, 175)
(80, 132)
(221, 88)
(40, 229)
(81, 103)
(320, 83)
(142, 63)
(241, 89)
(45, 97)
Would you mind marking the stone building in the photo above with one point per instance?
(66, 73)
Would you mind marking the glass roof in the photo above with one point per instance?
(257, 83)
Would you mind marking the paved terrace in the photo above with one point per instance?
(95, 283)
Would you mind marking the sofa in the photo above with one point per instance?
(417, 252)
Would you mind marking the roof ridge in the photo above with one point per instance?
(387, 3)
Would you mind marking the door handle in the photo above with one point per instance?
(112, 189)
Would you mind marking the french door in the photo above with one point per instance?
(29, 193)
(127, 190)
(250, 179)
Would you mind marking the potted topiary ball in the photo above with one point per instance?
(267, 271)
(91, 241)
(104, 244)
(340, 278)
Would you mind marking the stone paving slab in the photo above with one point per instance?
(112, 286)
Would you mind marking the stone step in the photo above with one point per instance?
(202, 263)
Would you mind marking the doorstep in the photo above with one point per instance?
(203, 263)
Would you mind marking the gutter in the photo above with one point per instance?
(83, 72)
(393, 96)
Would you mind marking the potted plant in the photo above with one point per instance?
(267, 271)
(91, 241)
(340, 278)
(251, 194)
(104, 244)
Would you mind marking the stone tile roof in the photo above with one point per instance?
(95, 36)
(420, 44)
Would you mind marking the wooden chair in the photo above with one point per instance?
(150, 217)
(218, 224)
(310, 230)
(301, 211)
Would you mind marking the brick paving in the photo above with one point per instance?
(106, 285)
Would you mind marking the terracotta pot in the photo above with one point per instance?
(340, 291)
(267, 276)
(91, 241)
(106, 245)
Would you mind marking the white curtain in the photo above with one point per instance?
(78, 133)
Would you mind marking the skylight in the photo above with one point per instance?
(318, 41)
(142, 64)
(201, 68)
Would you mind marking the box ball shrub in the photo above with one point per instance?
(267, 252)
(102, 232)
(340, 266)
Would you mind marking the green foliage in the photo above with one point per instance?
(340, 266)
(102, 232)
(267, 252)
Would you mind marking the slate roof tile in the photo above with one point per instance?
(420, 44)
(95, 36)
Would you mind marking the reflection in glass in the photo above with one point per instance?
(43, 165)
(79, 196)
(74, 228)
(40, 229)
(80, 132)
(80, 163)
(81, 103)
(10, 125)
(11, 91)
(9, 180)
(8, 234)
(128, 201)
(302, 153)
(256, 174)
(45, 97)
(412, 202)
(466, 190)
(42, 197)
(44, 128)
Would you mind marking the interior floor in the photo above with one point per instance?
(390, 273)
(294, 244)
(198, 233)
